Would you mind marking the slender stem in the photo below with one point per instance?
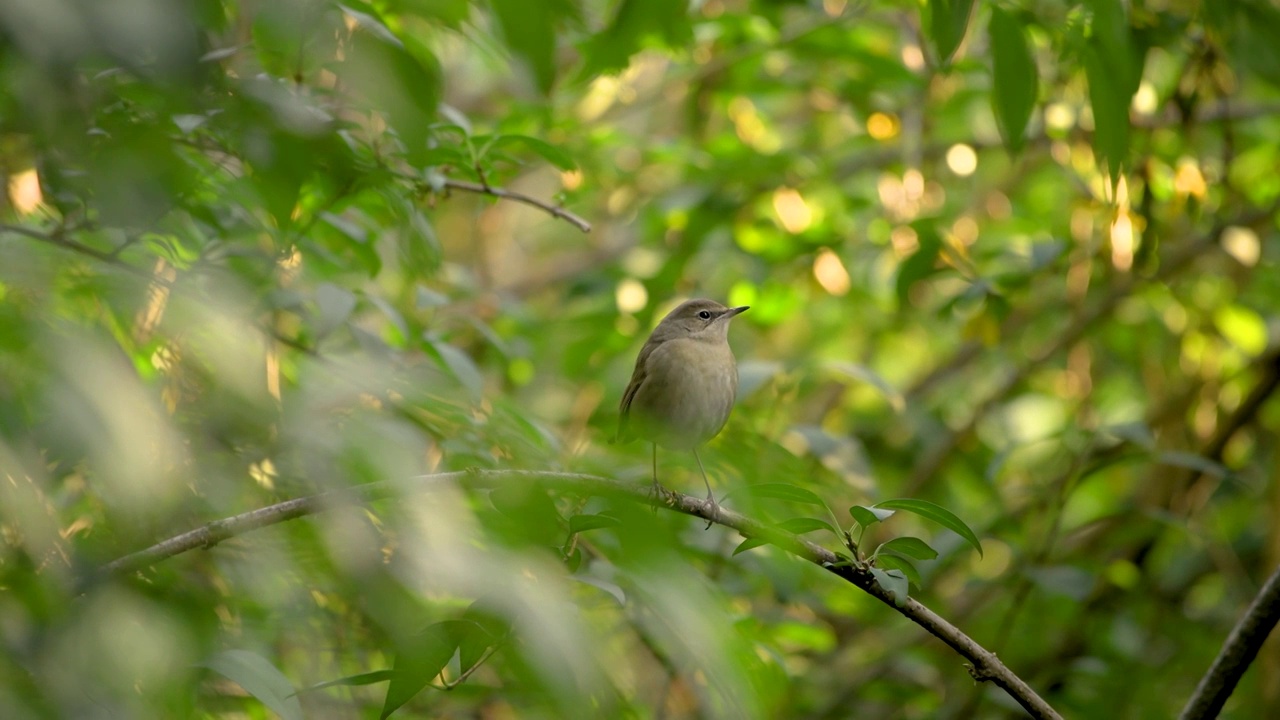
(483, 188)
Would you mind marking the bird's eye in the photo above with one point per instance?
(705, 314)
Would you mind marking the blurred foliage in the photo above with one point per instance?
(1017, 260)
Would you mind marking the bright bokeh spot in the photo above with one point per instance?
(962, 159)
(1188, 180)
(1146, 99)
(793, 212)
(1059, 116)
(24, 191)
(965, 228)
(1242, 243)
(571, 179)
(631, 296)
(881, 126)
(913, 57)
(830, 272)
(1122, 241)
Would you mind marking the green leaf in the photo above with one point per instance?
(802, 525)
(334, 305)
(549, 152)
(459, 364)
(936, 513)
(397, 79)
(1113, 67)
(871, 377)
(948, 23)
(909, 546)
(1014, 78)
(637, 21)
(920, 264)
(906, 567)
(1244, 327)
(260, 679)
(531, 513)
(369, 678)
(583, 523)
(894, 581)
(868, 516)
(472, 645)
(1110, 114)
(1191, 461)
(784, 491)
(529, 31)
(420, 658)
(749, 543)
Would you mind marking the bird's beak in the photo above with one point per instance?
(735, 311)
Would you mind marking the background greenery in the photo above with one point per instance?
(1015, 258)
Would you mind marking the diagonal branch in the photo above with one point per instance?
(984, 665)
(1237, 653)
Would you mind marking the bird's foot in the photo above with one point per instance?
(712, 508)
(657, 494)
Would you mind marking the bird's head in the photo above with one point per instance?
(698, 318)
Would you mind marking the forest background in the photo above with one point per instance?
(1010, 358)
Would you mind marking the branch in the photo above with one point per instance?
(486, 189)
(984, 665)
(58, 238)
(1237, 653)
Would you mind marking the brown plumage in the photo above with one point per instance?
(684, 383)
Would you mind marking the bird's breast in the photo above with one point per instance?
(687, 394)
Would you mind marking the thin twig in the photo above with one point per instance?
(1237, 653)
(486, 189)
(984, 665)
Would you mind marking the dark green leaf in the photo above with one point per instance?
(909, 546)
(749, 543)
(936, 513)
(529, 31)
(948, 23)
(868, 516)
(1013, 77)
(583, 523)
(894, 581)
(420, 658)
(920, 265)
(475, 641)
(368, 678)
(893, 562)
(549, 152)
(260, 679)
(403, 84)
(666, 22)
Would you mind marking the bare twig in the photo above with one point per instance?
(1237, 653)
(483, 188)
(984, 665)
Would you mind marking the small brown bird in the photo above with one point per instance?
(684, 383)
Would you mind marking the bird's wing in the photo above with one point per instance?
(637, 379)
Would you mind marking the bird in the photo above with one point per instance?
(684, 384)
